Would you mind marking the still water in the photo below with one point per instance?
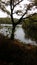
(19, 33)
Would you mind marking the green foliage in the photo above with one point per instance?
(5, 20)
(30, 27)
(34, 17)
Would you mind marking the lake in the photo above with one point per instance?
(19, 33)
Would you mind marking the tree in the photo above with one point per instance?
(30, 27)
(23, 14)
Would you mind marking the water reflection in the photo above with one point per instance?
(19, 33)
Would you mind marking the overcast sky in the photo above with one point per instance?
(3, 14)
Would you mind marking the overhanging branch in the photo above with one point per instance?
(26, 18)
(5, 3)
(21, 18)
(5, 10)
(18, 3)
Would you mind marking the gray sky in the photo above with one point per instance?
(3, 14)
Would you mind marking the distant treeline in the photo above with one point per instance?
(6, 20)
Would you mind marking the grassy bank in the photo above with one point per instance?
(14, 52)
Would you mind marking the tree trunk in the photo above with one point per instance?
(13, 30)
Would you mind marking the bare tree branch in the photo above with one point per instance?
(4, 3)
(20, 20)
(18, 3)
(5, 10)
(22, 16)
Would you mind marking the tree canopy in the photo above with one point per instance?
(15, 3)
